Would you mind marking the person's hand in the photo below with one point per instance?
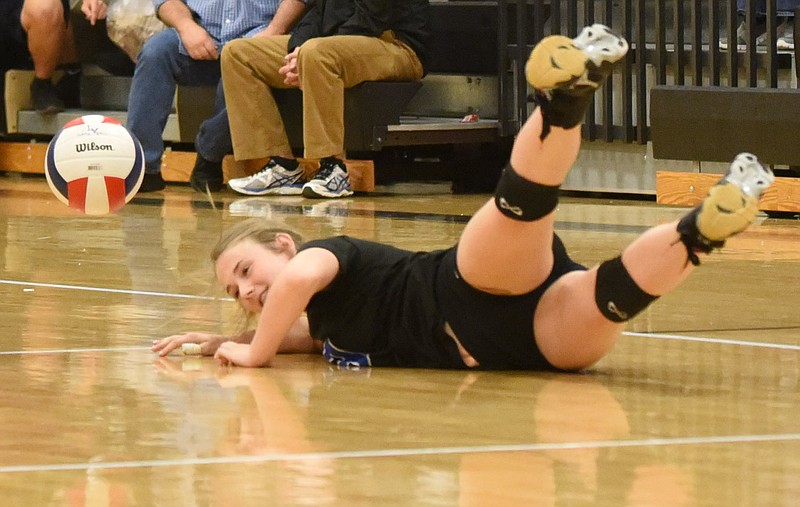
(290, 70)
(232, 353)
(208, 343)
(94, 10)
(198, 42)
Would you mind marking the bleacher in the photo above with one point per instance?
(480, 48)
(377, 115)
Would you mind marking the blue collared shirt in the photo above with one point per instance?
(226, 20)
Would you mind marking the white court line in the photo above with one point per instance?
(68, 351)
(657, 336)
(768, 345)
(402, 453)
(782, 346)
(212, 298)
(113, 291)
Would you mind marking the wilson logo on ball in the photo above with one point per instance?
(80, 148)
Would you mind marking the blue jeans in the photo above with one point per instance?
(783, 7)
(160, 68)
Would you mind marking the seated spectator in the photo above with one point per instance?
(15, 53)
(188, 54)
(51, 44)
(785, 30)
(337, 45)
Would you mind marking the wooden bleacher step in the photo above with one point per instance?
(688, 189)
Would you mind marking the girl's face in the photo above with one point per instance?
(247, 270)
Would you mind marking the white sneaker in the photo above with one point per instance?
(730, 207)
(747, 173)
(272, 179)
(786, 35)
(600, 44)
(732, 204)
(330, 181)
(784, 32)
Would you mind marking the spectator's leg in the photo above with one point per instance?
(159, 69)
(213, 140)
(249, 70)
(212, 143)
(329, 65)
(45, 22)
(786, 10)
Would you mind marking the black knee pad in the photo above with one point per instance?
(616, 294)
(524, 200)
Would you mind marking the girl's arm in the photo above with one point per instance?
(209, 343)
(299, 340)
(307, 273)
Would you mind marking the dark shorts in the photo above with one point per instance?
(497, 330)
(14, 53)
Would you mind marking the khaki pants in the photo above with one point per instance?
(327, 66)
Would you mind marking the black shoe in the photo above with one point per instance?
(152, 182)
(206, 176)
(45, 97)
(69, 89)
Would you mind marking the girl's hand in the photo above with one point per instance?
(209, 343)
(238, 354)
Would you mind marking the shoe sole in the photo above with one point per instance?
(601, 45)
(296, 189)
(324, 194)
(560, 62)
(747, 173)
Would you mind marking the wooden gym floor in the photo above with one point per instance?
(696, 406)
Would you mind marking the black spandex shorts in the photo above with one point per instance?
(497, 330)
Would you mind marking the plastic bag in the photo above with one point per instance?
(130, 23)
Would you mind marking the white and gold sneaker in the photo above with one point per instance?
(730, 207)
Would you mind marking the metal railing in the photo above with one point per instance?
(678, 42)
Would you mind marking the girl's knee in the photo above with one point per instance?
(570, 330)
